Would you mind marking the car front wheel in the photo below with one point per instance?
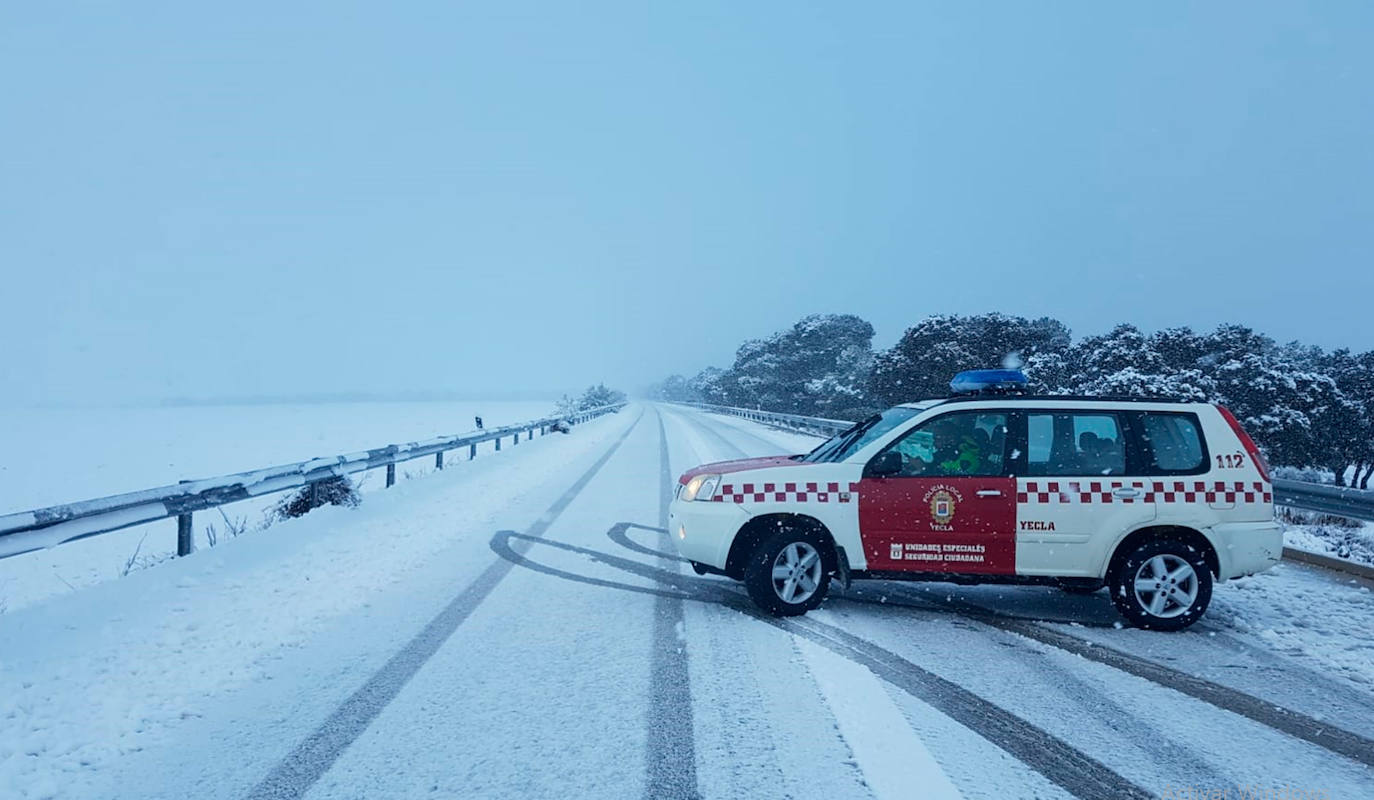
(1163, 585)
(789, 573)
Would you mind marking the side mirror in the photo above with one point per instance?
(886, 465)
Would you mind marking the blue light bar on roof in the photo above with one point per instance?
(983, 380)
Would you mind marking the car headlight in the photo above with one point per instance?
(701, 487)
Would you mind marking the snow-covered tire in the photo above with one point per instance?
(789, 573)
(1162, 584)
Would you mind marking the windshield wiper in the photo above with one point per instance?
(843, 440)
(829, 443)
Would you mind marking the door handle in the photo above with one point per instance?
(1126, 491)
(988, 493)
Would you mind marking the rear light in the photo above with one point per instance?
(1246, 441)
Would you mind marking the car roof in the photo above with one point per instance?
(1040, 399)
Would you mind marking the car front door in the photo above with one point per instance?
(941, 499)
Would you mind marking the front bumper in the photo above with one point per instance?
(702, 531)
(1244, 548)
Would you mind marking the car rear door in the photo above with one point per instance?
(952, 506)
(1079, 490)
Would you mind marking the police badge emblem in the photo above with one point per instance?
(942, 507)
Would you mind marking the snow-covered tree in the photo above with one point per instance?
(598, 396)
(1126, 362)
(1305, 407)
(922, 362)
(819, 366)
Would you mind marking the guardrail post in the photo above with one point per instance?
(515, 439)
(472, 451)
(439, 460)
(314, 494)
(390, 475)
(498, 444)
(185, 542)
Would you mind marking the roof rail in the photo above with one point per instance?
(1104, 398)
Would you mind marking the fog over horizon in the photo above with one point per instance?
(517, 200)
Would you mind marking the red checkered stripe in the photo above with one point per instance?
(1151, 492)
(784, 493)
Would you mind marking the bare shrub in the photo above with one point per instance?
(133, 557)
(336, 491)
(136, 561)
(234, 527)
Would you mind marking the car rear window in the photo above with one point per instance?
(1172, 443)
(1074, 443)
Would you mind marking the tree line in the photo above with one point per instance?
(1306, 407)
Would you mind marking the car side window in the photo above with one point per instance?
(962, 444)
(1074, 443)
(1173, 444)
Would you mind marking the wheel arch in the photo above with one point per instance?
(1183, 533)
(753, 533)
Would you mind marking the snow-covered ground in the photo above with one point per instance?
(59, 455)
(421, 645)
(1352, 541)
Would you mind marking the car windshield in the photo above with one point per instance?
(841, 446)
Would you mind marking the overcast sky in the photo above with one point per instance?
(281, 198)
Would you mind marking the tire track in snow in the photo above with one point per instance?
(759, 730)
(1055, 759)
(1285, 720)
(1146, 734)
(308, 761)
(1065, 765)
(671, 754)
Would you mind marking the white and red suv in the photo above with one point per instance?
(1153, 498)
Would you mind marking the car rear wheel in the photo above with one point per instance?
(1162, 584)
(789, 573)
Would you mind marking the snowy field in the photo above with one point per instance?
(59, 455)
(514, 629)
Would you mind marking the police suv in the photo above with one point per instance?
(1155, 499)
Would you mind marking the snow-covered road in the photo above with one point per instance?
(522, 629)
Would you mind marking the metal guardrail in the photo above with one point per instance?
(26, 531)
(1342, 501)
(795, 422)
